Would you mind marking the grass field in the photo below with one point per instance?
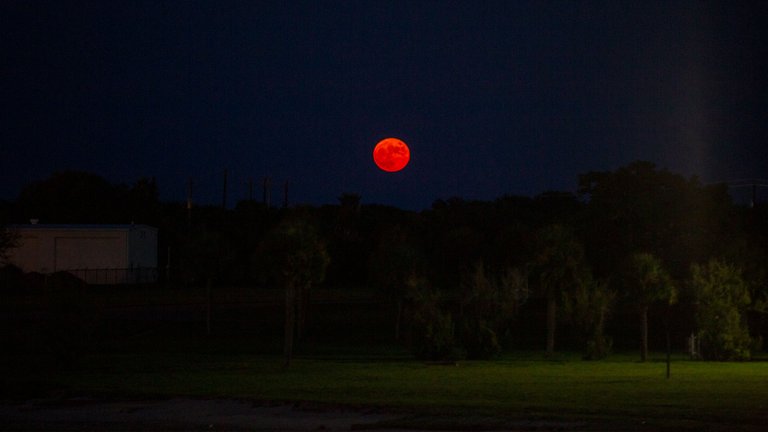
(619, 392)
(164, 359)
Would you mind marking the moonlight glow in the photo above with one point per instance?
(391, 154)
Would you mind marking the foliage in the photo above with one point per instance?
(297, 258)
(431, 327)
(559, 261)
(637, 207)
(8, 240)
(559, 265)
(294, 253)
(65, 325)
(722, 297)
(201, 255)
(641, 208)
(488, 304)
(645, 282)
(11, 279)
(391, 263)
(83, 197)
(588, 307)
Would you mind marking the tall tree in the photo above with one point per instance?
(647, 282)
(559, 264)
(641, 208)
(298, 259)
(394, 260)
(346, 243)
(73, 197)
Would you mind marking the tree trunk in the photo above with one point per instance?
(398, 319)
(208, 283)
(290, 321)
(551, 323)
(302, 310)
(643, 333)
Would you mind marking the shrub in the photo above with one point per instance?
(489, 302)
(431, 328)
(722, 297)
(588, 307)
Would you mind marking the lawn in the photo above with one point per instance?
(149, 359)
(618, 392)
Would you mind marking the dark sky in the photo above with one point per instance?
(493, 98)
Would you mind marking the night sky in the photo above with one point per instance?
(493, 98)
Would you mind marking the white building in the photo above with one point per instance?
(98, 254)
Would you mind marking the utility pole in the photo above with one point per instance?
(267, 184)
(189, 202)
(224, 192)
(285, 194)
(754, 195)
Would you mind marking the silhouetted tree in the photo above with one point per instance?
(646, 282)
(431, 326)
(455, 231)
(588, 307)
(142, 202)
(202, 261)
(298, 259)
(395, 259)
(489, 302)
(73, 197)
(640, 208)
(8, 240)
(349, 216)
(559, 266)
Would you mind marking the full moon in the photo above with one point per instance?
(391, 154)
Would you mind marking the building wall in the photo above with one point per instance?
(51, 248)
(142, 247)
(90, 250)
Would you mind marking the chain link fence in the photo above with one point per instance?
(118, 276)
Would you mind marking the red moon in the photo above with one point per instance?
(391, 154)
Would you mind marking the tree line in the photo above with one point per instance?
(468, 278)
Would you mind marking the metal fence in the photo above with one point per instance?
(116, 276)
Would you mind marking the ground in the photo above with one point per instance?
(226, 414)
(180, 414)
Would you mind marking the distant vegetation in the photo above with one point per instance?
(637, 256)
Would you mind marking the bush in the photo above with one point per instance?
(69, 321)
(431, 328)
(11, 279)
(722, 297)
(479, 341)
(588, 307)
(489, 302)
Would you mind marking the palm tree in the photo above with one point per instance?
(559, 262)
(298, 258)
(648, 282)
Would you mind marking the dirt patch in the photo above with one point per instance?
(179, 414)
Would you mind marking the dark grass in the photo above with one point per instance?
(343, 365)
(525, 386)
